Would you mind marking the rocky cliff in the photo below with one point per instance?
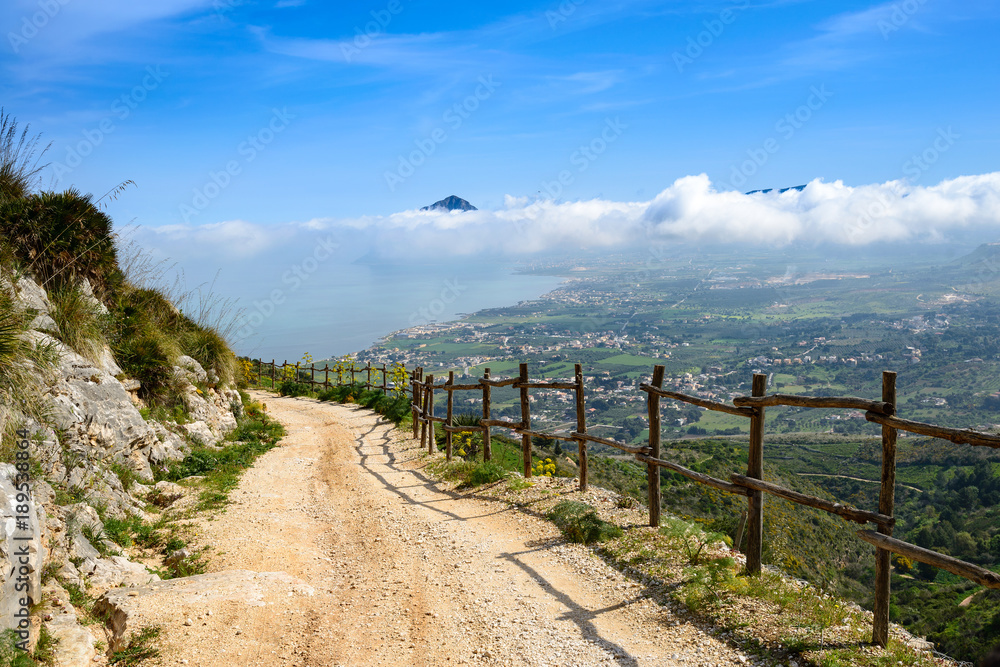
(92, 454)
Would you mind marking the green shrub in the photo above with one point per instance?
(80, 320)
(210, 349)
(293, 389)
(692, 539)
(62, 238)
(579, 523)
(486, 472)
(392, 407)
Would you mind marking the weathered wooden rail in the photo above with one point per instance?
(750, 485)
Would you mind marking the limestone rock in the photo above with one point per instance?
(31, 295)
(132, 608)
(98, 415)
(200, 433)
(105, 573)
(76, 646)
(189, 369)
(165, 493)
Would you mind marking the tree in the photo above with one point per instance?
(927, 572)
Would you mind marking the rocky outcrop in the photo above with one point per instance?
(132, 608)
(97, 416)
(91, 459)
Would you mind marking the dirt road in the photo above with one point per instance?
(394, 568)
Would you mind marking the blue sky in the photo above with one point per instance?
(896, 73)
(254, 128)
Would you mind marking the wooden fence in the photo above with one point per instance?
(751, 485)
(300, 371)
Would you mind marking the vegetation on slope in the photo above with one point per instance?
(66, 243)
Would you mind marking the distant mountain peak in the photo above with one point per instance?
(800, 188)
(451, 203)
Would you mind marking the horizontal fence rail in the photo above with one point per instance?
(750, 485)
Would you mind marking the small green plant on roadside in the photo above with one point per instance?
(77, 596)
(579, 523)
(519, 484)
(706, 582)
(98, 539)
(486, 472)
(692, 539)
(188, 567)
(294, 389)
(124, 474)
(139, 649)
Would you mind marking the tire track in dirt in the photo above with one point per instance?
(405, 571)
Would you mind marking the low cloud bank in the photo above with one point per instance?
(689, 210)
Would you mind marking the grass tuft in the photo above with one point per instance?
(139, 649)
(80, 321)
(579, 523)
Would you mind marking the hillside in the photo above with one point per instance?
(106, 387)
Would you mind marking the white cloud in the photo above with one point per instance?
(689, 210)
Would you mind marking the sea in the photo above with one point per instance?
(347, 311)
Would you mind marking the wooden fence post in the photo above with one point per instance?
(525, 421)
(312, 376)
(886, 503)
(652, 471)
(274, 370)
(385, 381)
(368, 367)
(581, 425)
(429, 423)
(755, 469)
(487, 444)
(326, 376)
(451, 412)
(417, 401)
